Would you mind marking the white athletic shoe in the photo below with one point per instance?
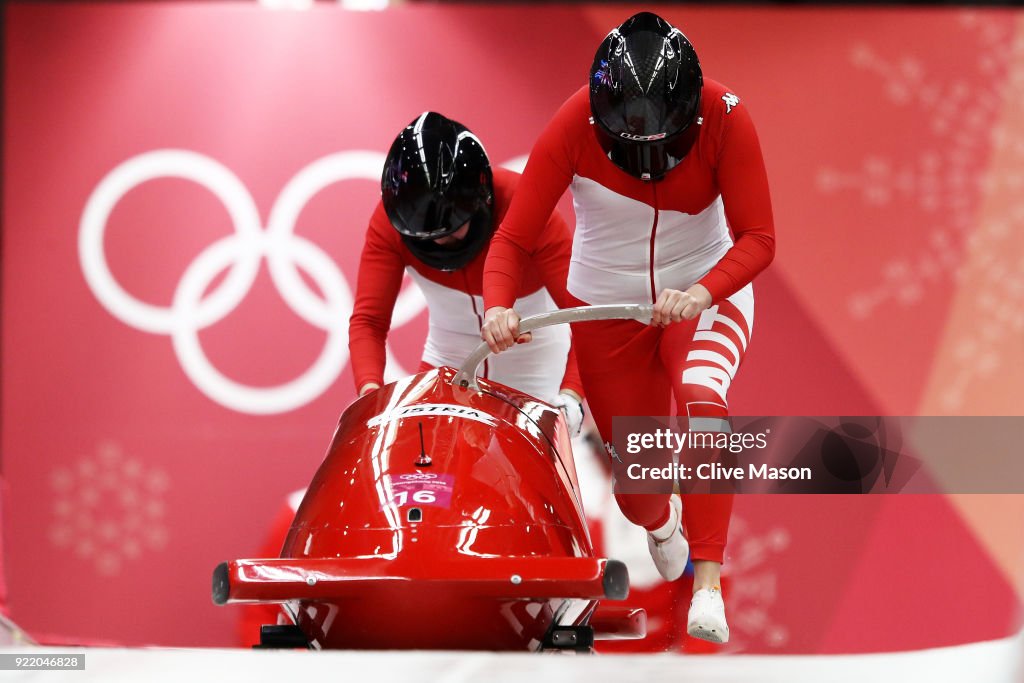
(670, 554)
(707, 616)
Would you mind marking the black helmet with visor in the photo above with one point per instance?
(645, 87)
(437, 178)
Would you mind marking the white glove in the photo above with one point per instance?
(572, 411)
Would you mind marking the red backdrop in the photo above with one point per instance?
(164, 387)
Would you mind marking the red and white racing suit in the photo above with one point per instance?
(633, 239)
(455, 305)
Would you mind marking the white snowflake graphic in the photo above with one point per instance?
(108, 509)
(961, 126)
(753, 585)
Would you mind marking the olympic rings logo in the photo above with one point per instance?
(417, 476)
(242, 252)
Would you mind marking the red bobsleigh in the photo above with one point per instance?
(446, 515)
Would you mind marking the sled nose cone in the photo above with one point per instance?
(221, 584)
(616, 580)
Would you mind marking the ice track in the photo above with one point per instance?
(998, 661)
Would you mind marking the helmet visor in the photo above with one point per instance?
(647, 160)
(438, 218)
(449, 257)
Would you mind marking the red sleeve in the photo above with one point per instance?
(551, 259)
(748, 207)
(380, 279)
(548, 173)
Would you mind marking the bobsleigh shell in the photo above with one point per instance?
(501, 481)
(440, 518)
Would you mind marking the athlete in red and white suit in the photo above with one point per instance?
(453, 289)
(665, 242)
(455, 304)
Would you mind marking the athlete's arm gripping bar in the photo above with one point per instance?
(466, 377)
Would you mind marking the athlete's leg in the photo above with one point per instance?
(702, 358)
(622, 375)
